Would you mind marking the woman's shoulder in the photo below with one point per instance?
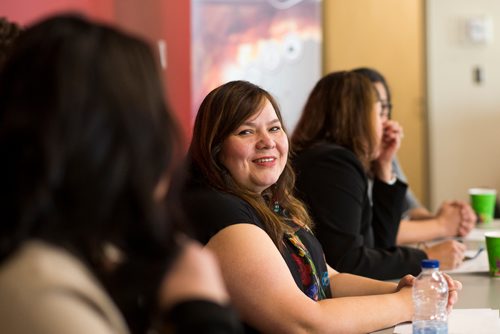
(197, 191)
(44, 279)
(210, 210)
(325, 149)
(207, 198)
(326, 154)
(41, 258)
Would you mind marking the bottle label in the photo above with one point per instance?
(430, 327)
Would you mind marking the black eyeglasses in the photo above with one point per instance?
(386, 109)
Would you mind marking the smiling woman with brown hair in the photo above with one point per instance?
(240, 197)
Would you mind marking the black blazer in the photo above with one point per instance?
(358, 236)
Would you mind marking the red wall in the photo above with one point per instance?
(27, 11)
(166, 20)
(178, 36)
(169, 21)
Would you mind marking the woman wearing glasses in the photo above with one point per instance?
(343, 139)
(418, 224)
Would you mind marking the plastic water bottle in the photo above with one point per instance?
(430, 297)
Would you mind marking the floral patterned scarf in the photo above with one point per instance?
(313, 283)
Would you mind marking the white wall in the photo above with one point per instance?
(464, 116)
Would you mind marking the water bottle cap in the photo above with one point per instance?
(430, 263)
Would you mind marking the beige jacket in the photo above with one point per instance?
(46, 290)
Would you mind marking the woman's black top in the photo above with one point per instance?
(211, 211)
(358, 236)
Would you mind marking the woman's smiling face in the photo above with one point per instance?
(256, 153)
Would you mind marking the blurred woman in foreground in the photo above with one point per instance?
(89, 147)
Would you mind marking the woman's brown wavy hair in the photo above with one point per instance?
(340, 110)
(222, 111)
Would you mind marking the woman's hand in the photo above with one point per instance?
(406, 281)
(450, 253)
(449, 218)
(194, 275)
(391, 141)
(468, 218)
(453, 288)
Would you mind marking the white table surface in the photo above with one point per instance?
(480, 290)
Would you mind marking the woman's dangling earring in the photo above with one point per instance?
(276, 207)
(276, 204)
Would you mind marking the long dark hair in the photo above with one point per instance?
(85, 139)
(222, 111)
(339, 110)
(9, 31)
(375, 76)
